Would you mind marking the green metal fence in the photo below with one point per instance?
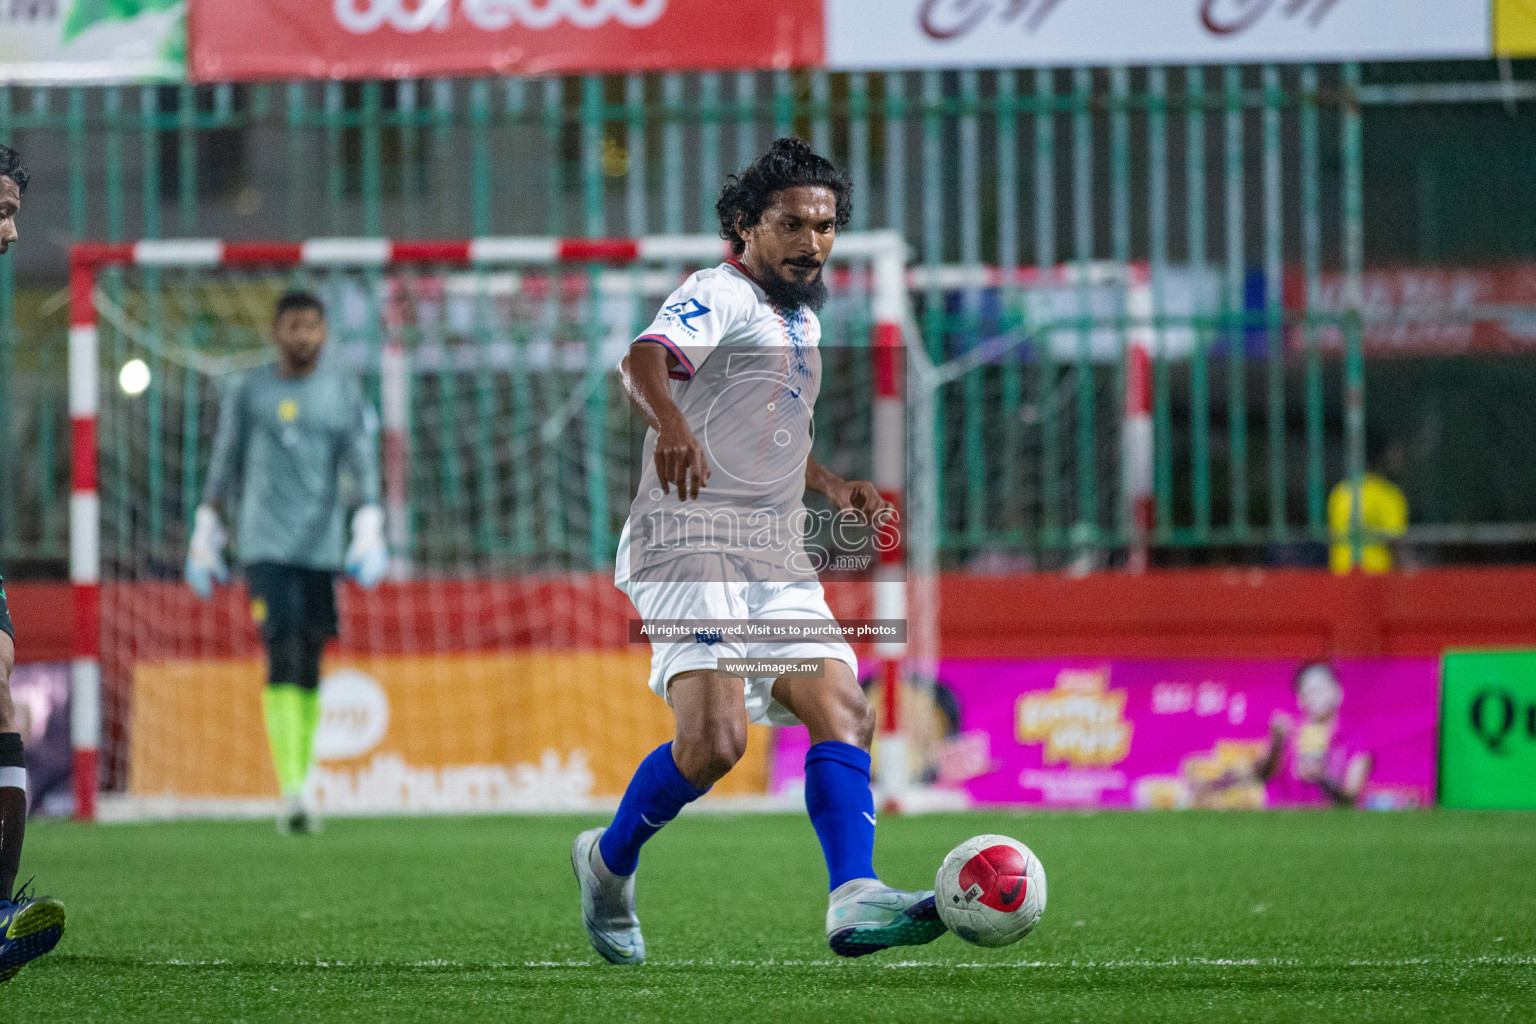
(1220, 182)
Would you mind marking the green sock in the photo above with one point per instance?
(281, 703)
(309, 723)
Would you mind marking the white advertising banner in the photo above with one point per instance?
(870, 34)
(64, 41)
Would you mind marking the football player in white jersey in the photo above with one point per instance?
(727, 378)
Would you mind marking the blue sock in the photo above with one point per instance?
(655, 795)
(842, 809)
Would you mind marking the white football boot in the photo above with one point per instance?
(607, 903)
(865, 916)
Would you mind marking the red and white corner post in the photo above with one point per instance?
(84, 536)
(1136, 443)
(889, 438)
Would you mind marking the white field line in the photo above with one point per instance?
(133, 810)
(1220, 962)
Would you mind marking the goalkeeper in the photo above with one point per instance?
(286, 433)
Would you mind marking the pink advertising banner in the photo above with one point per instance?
(1172, 733)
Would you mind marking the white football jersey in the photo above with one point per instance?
(747, 381)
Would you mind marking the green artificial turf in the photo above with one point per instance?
(1153, 916)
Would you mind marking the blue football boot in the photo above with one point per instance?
(29, 927)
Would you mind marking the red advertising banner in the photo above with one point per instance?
(1429, 310)
(242, 40)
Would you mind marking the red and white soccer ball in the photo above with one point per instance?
(990, 890)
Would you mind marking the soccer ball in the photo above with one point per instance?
(990, 890)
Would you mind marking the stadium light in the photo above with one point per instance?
(134, 377)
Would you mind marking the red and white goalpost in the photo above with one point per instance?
(84, 535)
(884, 254)
(1137, 453)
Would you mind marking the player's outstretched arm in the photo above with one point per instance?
(680, 458)
(1356, 775)
(367, 557)
(859, 496)
(1279, 729)
(205, 551)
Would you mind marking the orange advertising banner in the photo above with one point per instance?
(434, 733)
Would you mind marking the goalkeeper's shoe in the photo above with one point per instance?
(28, 928)
(607, 904)
(298, 818)
(866, 916)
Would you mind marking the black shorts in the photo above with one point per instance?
(5, 613)
(289, 599)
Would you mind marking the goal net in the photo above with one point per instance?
(1035, 386)
(494, 668)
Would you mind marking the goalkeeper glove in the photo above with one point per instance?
(205, 553)
(367, 557)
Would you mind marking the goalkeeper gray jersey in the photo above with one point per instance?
(283, 444)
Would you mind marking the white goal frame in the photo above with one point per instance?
(884, 251)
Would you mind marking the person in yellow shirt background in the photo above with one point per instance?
(1383, 515)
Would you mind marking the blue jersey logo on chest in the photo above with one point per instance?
(684, 313)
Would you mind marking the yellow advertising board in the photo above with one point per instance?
(1514, 28)
(499, 732)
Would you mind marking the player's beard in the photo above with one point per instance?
(789, 295)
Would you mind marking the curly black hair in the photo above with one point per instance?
(290, 301)
(10, 167)
(790, 162)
